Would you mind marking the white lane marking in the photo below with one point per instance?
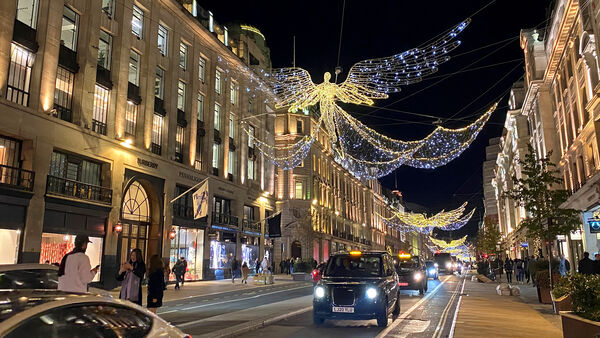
(240, 299)
(409, 311)
(444, 317)
(451, 335)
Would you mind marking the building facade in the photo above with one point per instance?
(489, 196)
(110, 110)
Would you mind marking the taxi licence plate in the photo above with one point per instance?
(402, 284)
(343, 309)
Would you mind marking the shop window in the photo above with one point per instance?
(9, 250)
(63, 93)
(216, 149)
(100, 110)
(70, 27)
(19, 75)
(250, 255)
(55, 246)
(104, 50)
(163, 37)
(131, 113)
(137, 22)
(221, 254)
(27, 12)
(179, 141)
(189, 244)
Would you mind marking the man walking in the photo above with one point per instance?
(184, 262)
(179, 272)
(564, 266)
(532, 270)
(75, 271)
(586, 265)
(234, 268)
(508, 266)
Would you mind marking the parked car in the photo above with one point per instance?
(411, 273)
(357, 286)
(52, 313)
(34, 276)
(317, 273)
(432, 270)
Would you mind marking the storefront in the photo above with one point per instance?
(250, 251)
(189, 244)
(222, 253)
(55, 246)
(9, 245)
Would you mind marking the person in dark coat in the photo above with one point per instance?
(179, 272)
(508, 267)
(597, 264)
(156, 283)
(131, 275)
(586, 265)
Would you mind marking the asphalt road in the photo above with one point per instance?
(430, 315)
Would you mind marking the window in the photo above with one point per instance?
(179, 141)
(70, 24)
(27, 12)
(104, 48)
(19, 75)
(181, 95)
(75, 168)
(217, 116)
(183, 51)
(134, 68)
(218, 81)
(137, 22)
(200, 108)
(159, 83)
(215, 157)
(108, 7)
(231, 163)
(251, 170)
(131, 112)
(100, 110)
(157, 123)
(233, 92)
(63, 93)
(202, 69)
(299, 126)
(199, 145)
(251, 135)
(231, 126)
(250, 105)
(299, 193)
(163, 36)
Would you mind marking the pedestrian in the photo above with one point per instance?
(526, 268)
(500, 265)
(282, 267)
(75, 270)
(508, 266)
(597, 264)
(564, 266)
(532, 269)
(184, 270)
(291, 266)
(519, 268)
(179, 272)
(265, 265)
(156, 283)
(131, 274)
(245, 273)
(257, 266)
(234, 269)
(586, 265)
(167, 271)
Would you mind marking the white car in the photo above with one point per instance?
(34, 276)
(51, 313)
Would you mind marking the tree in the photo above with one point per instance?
(489, 236)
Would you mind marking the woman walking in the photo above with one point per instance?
(156, 283)
(131, 274)
(245, 273)
(508, 267)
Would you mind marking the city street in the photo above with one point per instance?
(430, 315)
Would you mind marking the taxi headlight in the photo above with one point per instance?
(432, 271)
(448, 265)
(436, 265)
(371, 293)
(319, 292)
(417, 276)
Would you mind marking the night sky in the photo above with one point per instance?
(378, 28)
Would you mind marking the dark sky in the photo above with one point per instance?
(378, 28)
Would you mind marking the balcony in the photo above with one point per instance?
(181, 121)
(133, 93)
(183, 211)
(67, 58)
(155, 148)
(99, 127)
(251, 225)
(74, 189)
(16, 178)
(224, 219)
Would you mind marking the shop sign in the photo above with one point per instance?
(594, 225)
(190, 177)
(147, 163)
(576, 235)
(524, 244)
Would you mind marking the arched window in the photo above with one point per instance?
(135, 203)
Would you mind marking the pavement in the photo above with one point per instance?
(483, 312)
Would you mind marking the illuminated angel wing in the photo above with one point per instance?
(375, 78)
(294, 87)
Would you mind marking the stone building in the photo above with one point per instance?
(110, 109)
(489, 196)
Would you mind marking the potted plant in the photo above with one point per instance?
(584, 321)
(561, 295)
(542, 281)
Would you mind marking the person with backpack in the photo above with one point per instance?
(508, 268)
(179, 272)
(520, 270)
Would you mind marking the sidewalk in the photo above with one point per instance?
(484, 313)
(204, 288)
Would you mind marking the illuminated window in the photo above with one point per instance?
(183, 52)
(181, 95)
(100, 109)
(63, 93)
(108, 7)
(163, 36)
(157, 124)
(104, 50)
(233, 92)
(137, 22)
(199, 146)
(179, 141)
(231, 126)
(251, 135)
(251, 169)
(131, 112)
(70, 25)
(215, 156)
(231, 163)
(217, 118)
(19, 75)
(299, 191)
(218, 81)
(159, 83)
(202, 69)
(134, 68)
(200, 108)
(27, 12)
(250, 105)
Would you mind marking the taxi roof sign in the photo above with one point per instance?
(404, 255)
(355, 253)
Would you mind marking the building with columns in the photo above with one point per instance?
(110, 109)
(489, 196)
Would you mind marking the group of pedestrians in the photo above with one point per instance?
(587, 266)
(521, 269)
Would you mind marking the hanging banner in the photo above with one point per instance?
(200, 199)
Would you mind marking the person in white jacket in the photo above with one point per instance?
(75, 271)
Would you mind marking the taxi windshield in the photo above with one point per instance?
(354, 266)
(409, 264)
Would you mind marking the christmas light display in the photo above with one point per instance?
(452, 244)
(361, 150)
(420, 223)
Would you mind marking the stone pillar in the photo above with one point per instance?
(8, 9)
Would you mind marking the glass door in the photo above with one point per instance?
(134, 236)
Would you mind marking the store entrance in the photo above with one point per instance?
(136, 222)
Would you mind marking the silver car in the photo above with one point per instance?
(50, 313)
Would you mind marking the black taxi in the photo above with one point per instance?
(357, 285)
(411, 271)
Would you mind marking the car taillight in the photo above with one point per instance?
(315, 272)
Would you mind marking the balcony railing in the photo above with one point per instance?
(99, 127)
(250, 225)
(155, 148)
(183, 211)
(70, 188)
(224, 219)
(16, 178)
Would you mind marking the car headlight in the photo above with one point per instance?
(432, 271)
(371, 293)
(319, 292)
(448, 265)
(417, 276)
(436, 265)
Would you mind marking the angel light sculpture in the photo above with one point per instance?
(359, 149)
